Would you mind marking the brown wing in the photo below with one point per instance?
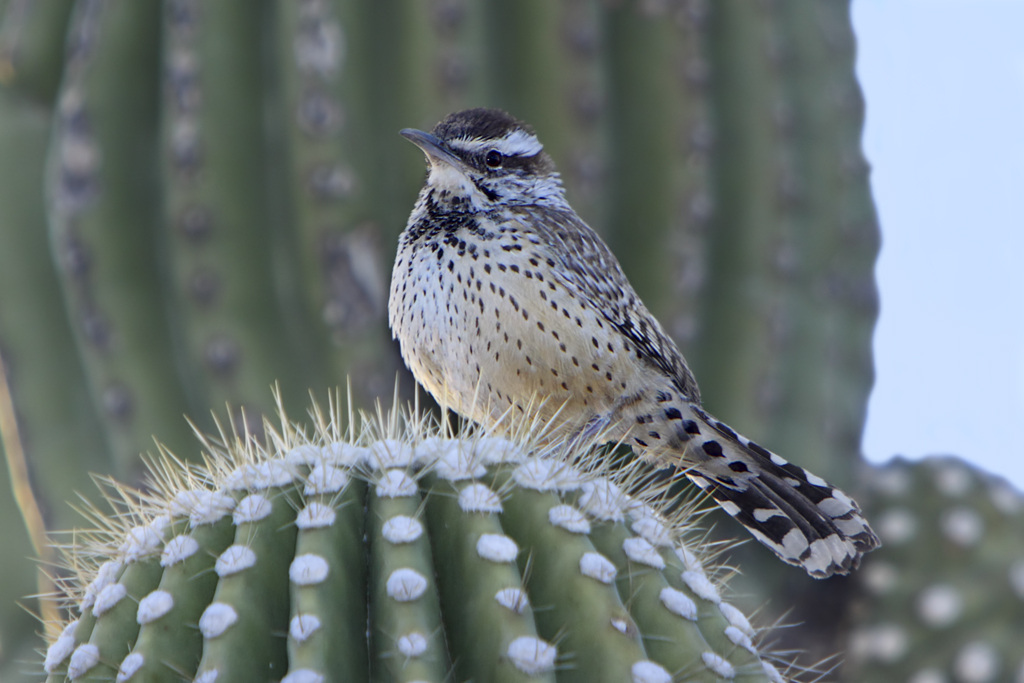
(586, 266)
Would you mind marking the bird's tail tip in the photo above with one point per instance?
(802, 518)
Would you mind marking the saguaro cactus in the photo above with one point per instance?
(482, 557)
(257, 234)
(225, 184)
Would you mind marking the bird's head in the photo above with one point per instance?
(479, 159)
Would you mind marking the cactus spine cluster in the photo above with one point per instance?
(395, 552)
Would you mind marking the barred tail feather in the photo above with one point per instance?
(798, 515)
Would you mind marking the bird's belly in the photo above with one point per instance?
(487, 334)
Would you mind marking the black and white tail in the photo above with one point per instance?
(798, 515)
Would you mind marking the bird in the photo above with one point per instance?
(501, 293)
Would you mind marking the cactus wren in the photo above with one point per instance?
(501, 293)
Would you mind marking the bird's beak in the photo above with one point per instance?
(432, 146)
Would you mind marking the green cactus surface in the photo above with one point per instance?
(32, 46)
(226, 186)
(103, 208)
(221, 185)
(395, 551)
(943, 599)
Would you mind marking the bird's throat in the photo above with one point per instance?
(455, 189)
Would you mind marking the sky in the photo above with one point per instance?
(944, 85)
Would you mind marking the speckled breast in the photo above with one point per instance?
(486, 323)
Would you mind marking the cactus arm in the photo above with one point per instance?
(642, 165)
(670, 187)
(103, 198)
(38, 357)
(545, 67)
(332, 200)
(746, 321)
(791, 258)
(476, 563)
(331, 526)
(695, 208)
(244, 637)
(524, 49)
(232, 333)
(859, 236)
(46, 382)
(32, 46)
(404, 47)
(585, 95)
(828, 293)
(406, 636)
(742, 290)
(837, 240)
(790, 303)
(806, 133)
(457, 46)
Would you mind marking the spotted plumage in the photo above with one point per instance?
(501, 294)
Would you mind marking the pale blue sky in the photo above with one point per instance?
(944, 84)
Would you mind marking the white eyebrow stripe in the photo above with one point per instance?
(517, 143)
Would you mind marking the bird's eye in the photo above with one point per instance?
(493, 159)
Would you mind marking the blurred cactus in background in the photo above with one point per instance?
(943, 600)
(200, 198)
